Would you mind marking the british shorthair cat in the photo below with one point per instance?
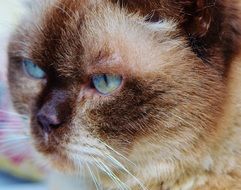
(136, 94)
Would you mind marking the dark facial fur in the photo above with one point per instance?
(174, 57)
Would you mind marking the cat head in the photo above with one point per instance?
(144, 78)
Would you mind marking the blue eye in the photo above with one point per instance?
(106, 84)
(33, 70)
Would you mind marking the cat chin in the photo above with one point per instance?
(62, 164)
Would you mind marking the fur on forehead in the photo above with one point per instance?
(112, 35)
(107, 37)
(124, 42)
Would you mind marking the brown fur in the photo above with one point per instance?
(172, 116)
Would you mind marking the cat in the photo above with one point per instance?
(135, 94)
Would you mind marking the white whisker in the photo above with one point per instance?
(117, 153)
(5, 120)
(108, 174)
(15, 139)
(12, 130)
(2, 126)
(41, 164)
(13, 125)
(13, 146)
(111, 174)
(97, 185)
(116, 162)
(14, 113)
(98, 176)
(104, 154)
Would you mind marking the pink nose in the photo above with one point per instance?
(48, 121)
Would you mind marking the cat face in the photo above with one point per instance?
(146, 79)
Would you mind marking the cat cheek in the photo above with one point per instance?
(86, 93)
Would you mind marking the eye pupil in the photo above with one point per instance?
(105, 79)
(105, 83)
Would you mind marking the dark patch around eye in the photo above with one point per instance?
(129, 112)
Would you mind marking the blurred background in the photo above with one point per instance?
(19, 169)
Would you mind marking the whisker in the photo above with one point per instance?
(40, 163)
(117, 152)
(10, 143)
(110, 173)
(16, 132)
(10, 120)
(93, 177)
(115, 161)
(11, 153)
(9, 126)
(12, 126)
(12, 130)
(38, 159)
(12, 139)
(98, 176)
(12, 146)
(14, 113)
(10, 150)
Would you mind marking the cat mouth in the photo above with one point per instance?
(45, 142)
(55, 146)
(48, 145)
(70, 160)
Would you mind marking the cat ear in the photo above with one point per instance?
(213, 27)
(198, 16)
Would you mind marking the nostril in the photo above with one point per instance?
(48, 122)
